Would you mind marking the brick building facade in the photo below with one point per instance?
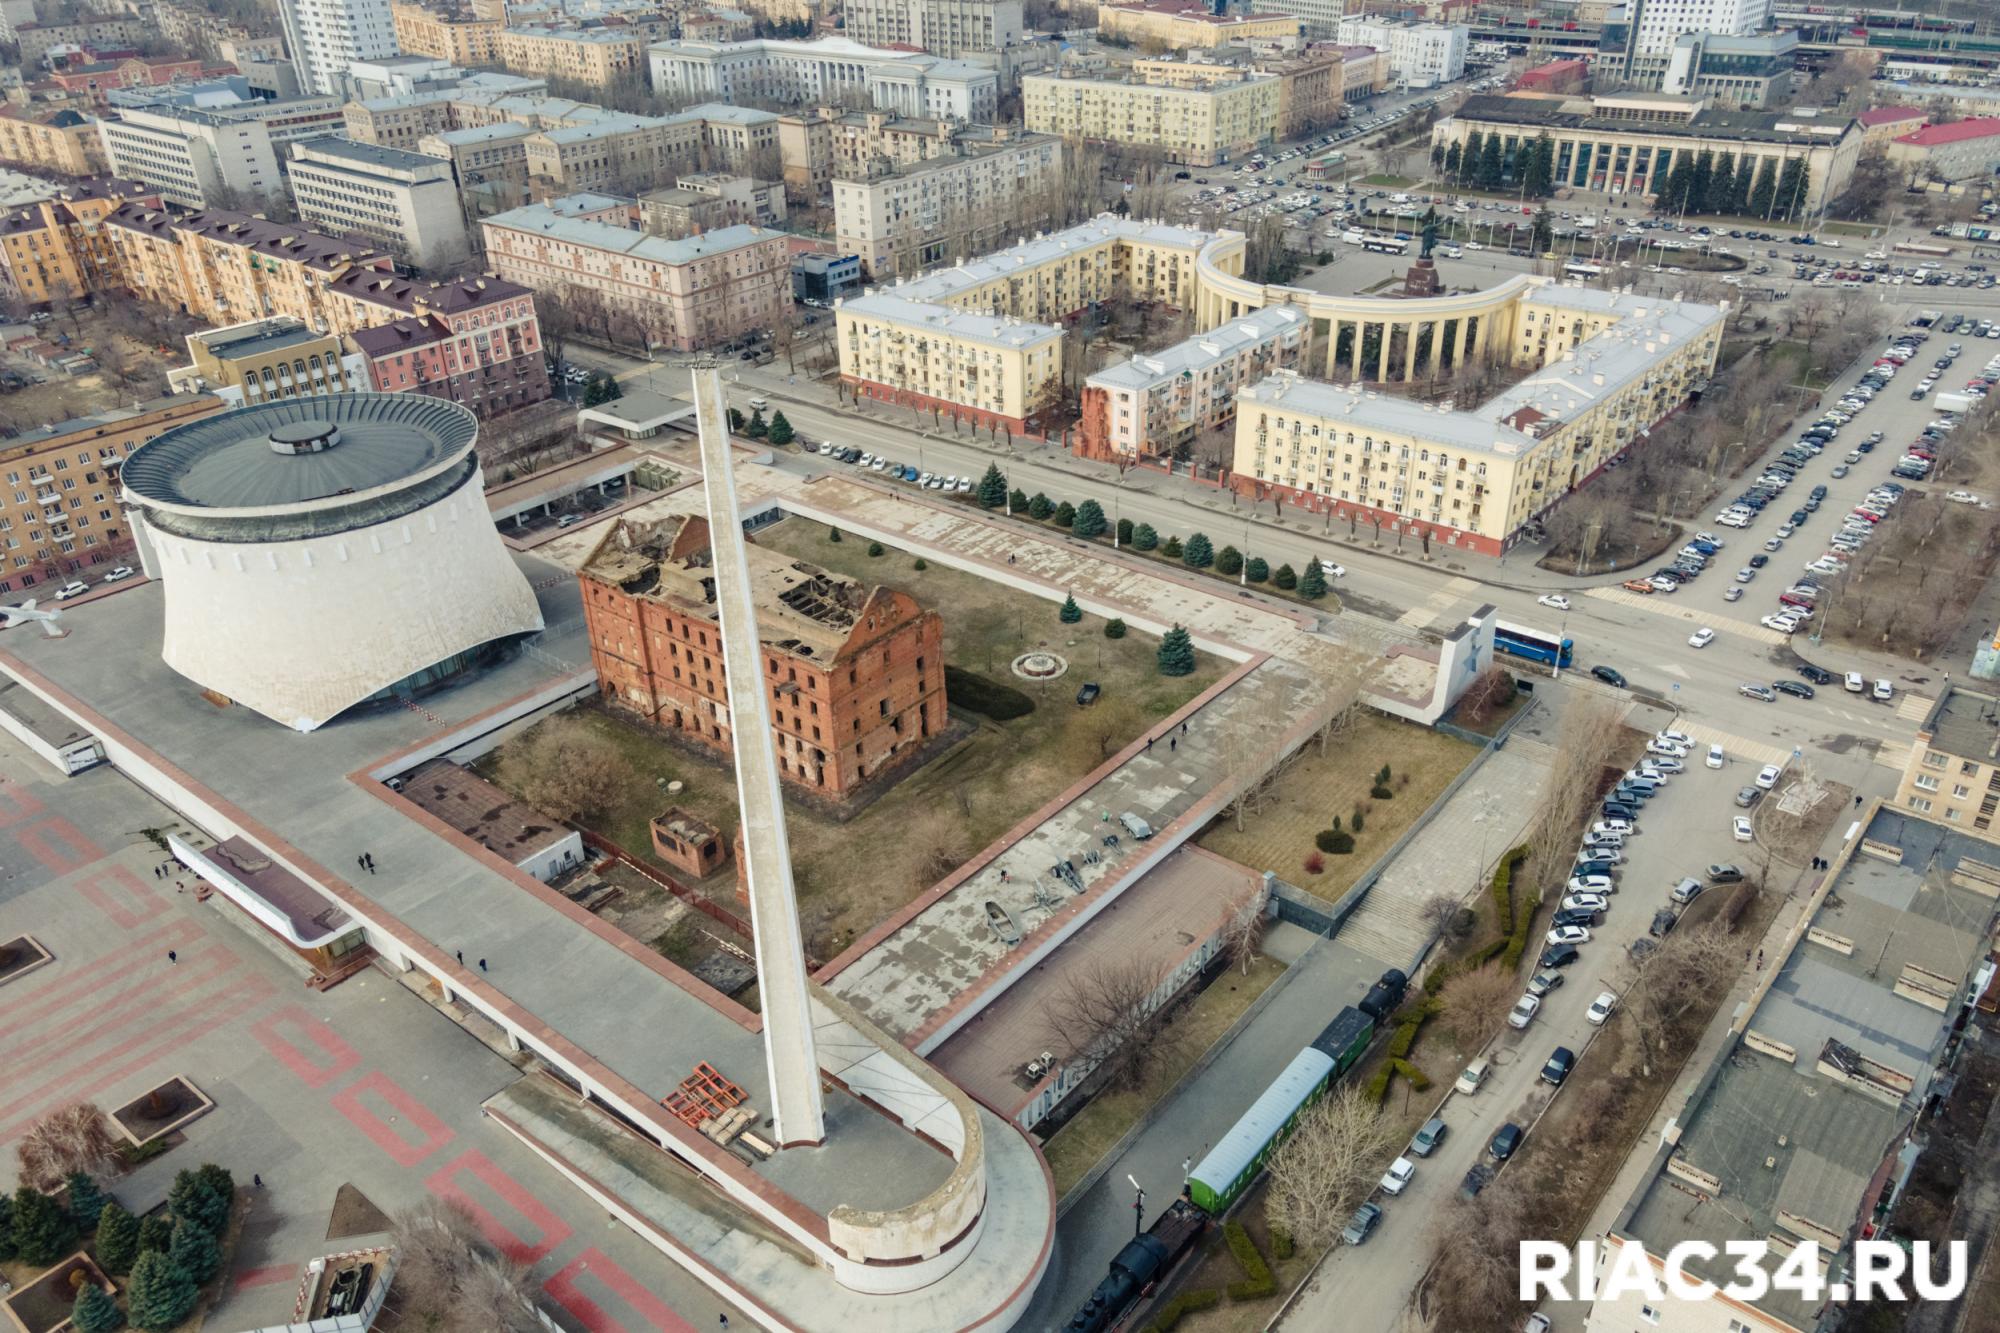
(856, 674)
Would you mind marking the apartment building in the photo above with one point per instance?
(1960, 150)
(65, 142)
(1157, 406)
(684, 295)
(327, 36)
(99, 33)
(1311, 83)
(949, 28)
(1421, 55)
(1202, 127)
(93, 81)
(460, 38)
(59, 512)
(400, 121)
(718, 25)
(705, 201)
(192, 28)
(982, 341)
(201, 150)
(404, 202)
(56, 249)
(225, 268)
(488, 162)
(825, 72)
(1364, 72)
(856, 673)
(1953, 772)
(612, 152)
(1177, 25)
(1610, 364)
(598, 57)
(903, 219)
(263, 360)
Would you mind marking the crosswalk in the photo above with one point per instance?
(1914, 707)
(1663, 604)
(1439, 604)
(1733, 746)
(1894, 754)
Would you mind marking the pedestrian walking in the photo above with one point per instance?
(256, 1180)
(1187, 1165)
(482, 965)
(461, 958)
(1173, 742)
(173, 957)
(1183, 728)
(725, 1320)
(361, 861)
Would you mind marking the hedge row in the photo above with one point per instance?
(1521, 935)
(1188, 1302)
(1259, 1282)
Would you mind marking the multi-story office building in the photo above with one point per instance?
(1189, 24)
(684, 295)
(1421, 55)
(1656, 25)
(65, 142)
(400, 200)
(1364, 72)
(1157, 406)
(609, 152)
(598, 57)
(822, 144)
(827, 71)
(210, 144)
(856, 673)
(55, 249)
(1610, 366)
(1751, 69)
(267, 359)
(705, 200)
(59, 509)
(903, 219)
(460, 38)
(1627, 144)
(489, 163)
(1200, 127)
(326, 36)
(981, 340)
(949, 28)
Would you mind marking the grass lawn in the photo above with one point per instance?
(853, 874)
(1279, 837)
(1861, 229)
(1089, 1134)
(1392, 182)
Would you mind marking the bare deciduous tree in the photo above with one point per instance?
(1242, 930)
(72, 1138)
(1475, 1001)
(1474, 1281)
(938, 841)
(1327, 1166)
(568, 771)
(1106, 1017)
(1676, 981)
(449, 1280)
(1587, 741)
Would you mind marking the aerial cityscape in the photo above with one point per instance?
(925, 665)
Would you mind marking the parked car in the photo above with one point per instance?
(1540, 984)
(1609, 676)
(1741, 829)
(1724, 873)
(1474, 1077)
(1748, 796)
(1363, 1224)
(1573, 934)
(1767, 776)
(1429, 1137)
(119, 574)
(1685, 891)
(1397, 1178)
(1526, 1007)
(71, 589)
(1505, 1142)
(1601, 1008)
(1560, 1062)
(1558, 955)
(1763, 693)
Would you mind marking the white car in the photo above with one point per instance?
(119, 574)
(1601, 1008)
(69, 590)
(1588, 884)
(1524, 1009)
(1767, 776)
(1667, 749)
(1622, 827)
(1674, 737)
(1331, 570)
(1883, 691)
(1701, 638)
(1716, 759)
(1397, 1178)
(1740, 826)
(1554, 599)
(1586, 902)
(1566, 935)
(1963, 497)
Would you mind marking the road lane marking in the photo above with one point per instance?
(1662, 604)
(1735, 747)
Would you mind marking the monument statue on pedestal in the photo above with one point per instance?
(1422, 279)
(1430, 232)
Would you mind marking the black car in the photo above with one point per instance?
(1817, 675)
(1505, 1142)
(1797, 689)
(1560, 1063)
(1798, 517)
(1609, 676)
(1759, 561)
(1576, 916)
(1088, 694)
(1558, 955)
(1619, 810)
(1475, 1181)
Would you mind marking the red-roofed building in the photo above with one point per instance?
(98, 77)
(1961, 150)
(475, 341)
(1883, 124)
(1558, 76)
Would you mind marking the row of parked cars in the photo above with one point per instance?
(935, 481)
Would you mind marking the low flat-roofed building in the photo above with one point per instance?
(512, 830)
(1953, 772)
(1800, 1129)
(856, 673)
(1155, 406)
(255, 362)
(824, 279)
(50, 733)
(1881, 125)
(1627, 144)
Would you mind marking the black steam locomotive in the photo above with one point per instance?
(1141, 1264)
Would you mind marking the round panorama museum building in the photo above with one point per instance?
(320, 552)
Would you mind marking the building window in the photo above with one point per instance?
(1649, 1314)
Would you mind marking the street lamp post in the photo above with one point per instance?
(1138, 1207)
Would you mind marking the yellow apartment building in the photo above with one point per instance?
(1200, 127)
(1953, 772)
(1184, 24)
(462, 41)
(58, 249)
(64, 142)
(593, 56)
(267, 359)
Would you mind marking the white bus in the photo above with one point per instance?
(1576, 268)
(1387, 245)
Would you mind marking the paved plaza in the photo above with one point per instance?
(365, 1085)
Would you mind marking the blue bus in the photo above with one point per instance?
(1533, 644)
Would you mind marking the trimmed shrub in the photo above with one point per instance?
(1070, 612)
(875, 548)
(1186, 1303)
(1114, 629)
(1172, 549)
(1017, 500)
(1229, 561)
(1259, 570)
(1065, 515)
(1380, 793)
(1125, 531)
(1378, 1083)
(1257, 1282)
(1281, 1242)
(988, 698)
(833, 534)
(1286, 577)
(1334, 842)
(1040, 507)
(1144, 537)
(921, 564)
